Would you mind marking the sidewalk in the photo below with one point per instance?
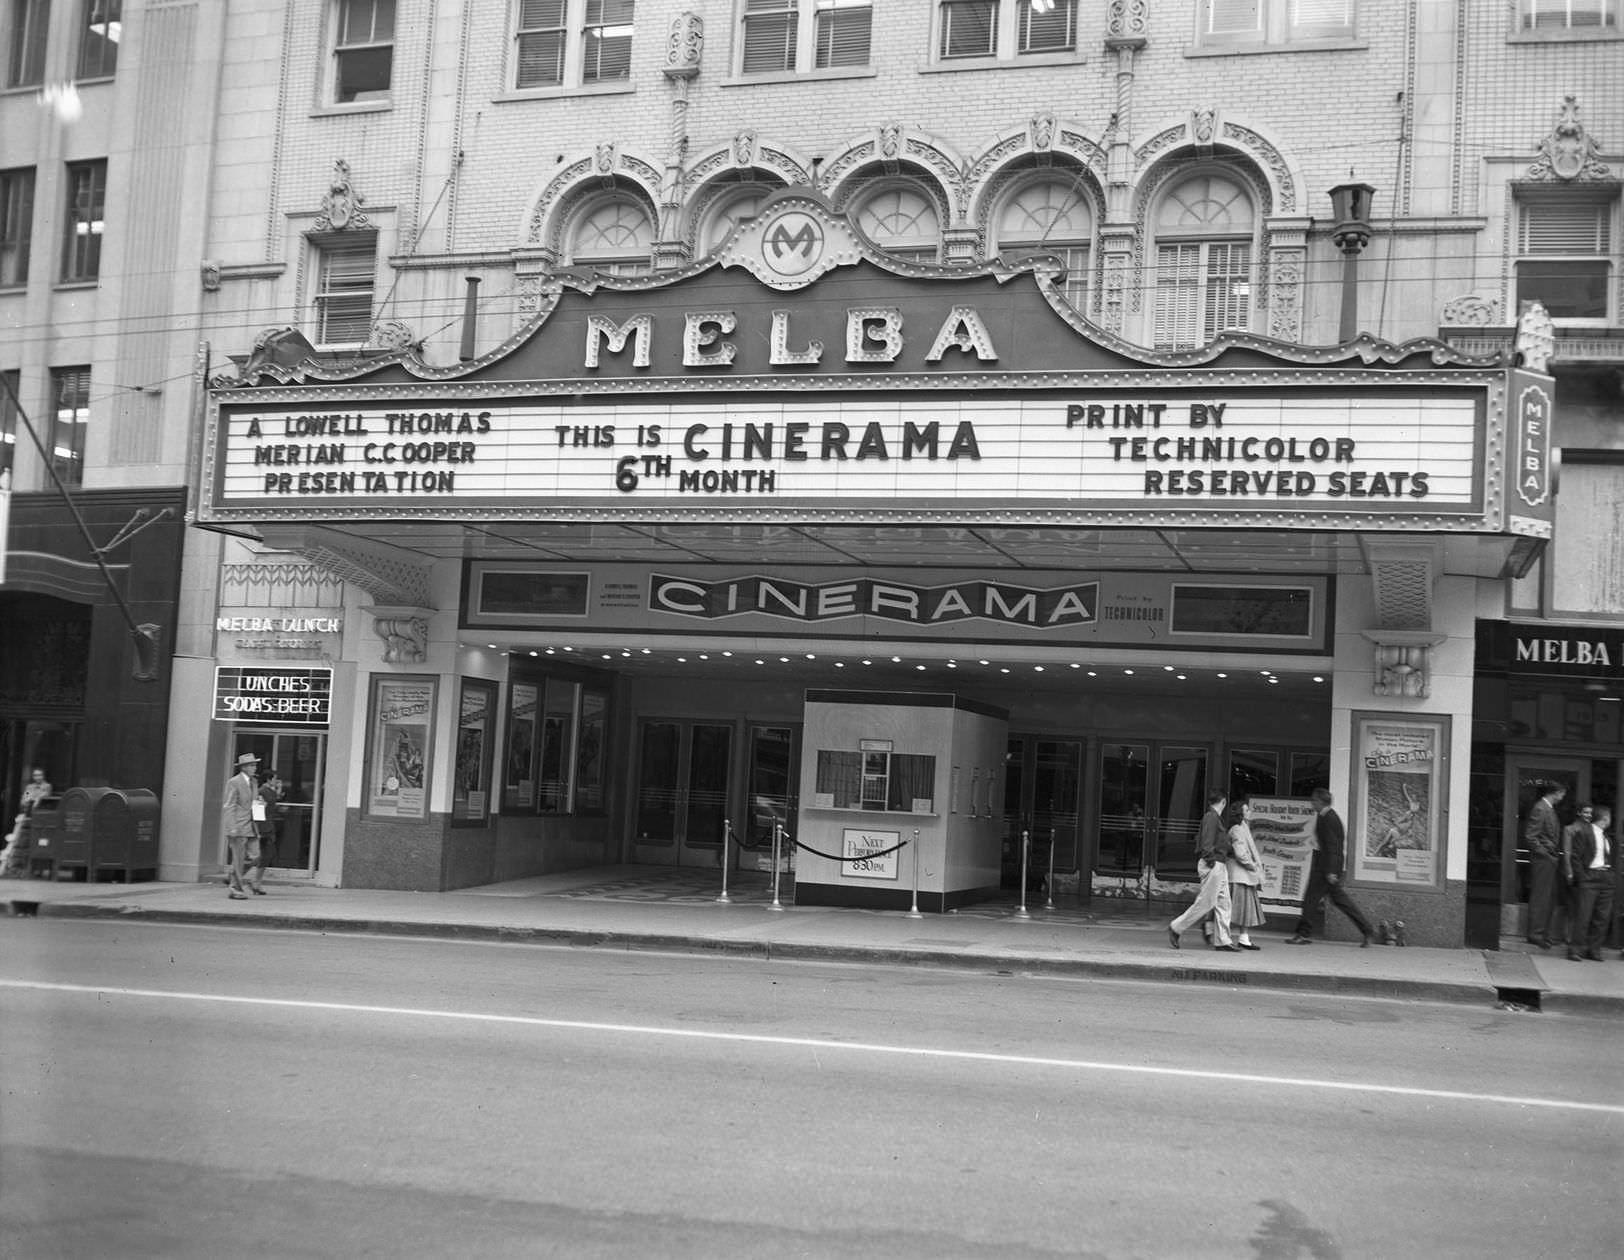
(678, 910)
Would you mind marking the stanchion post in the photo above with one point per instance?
(1026, 848)
(913, 913)
(778, 839)
(1048, 889)
(727, 830)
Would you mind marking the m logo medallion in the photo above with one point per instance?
(794, 239)
(792, 244)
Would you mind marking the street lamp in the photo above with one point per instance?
(1350, 233)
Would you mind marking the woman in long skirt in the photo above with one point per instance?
(1245, 876)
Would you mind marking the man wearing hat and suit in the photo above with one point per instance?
(242, 837)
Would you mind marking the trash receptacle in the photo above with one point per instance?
(110, 831)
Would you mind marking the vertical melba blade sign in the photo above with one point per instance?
(1530, 465)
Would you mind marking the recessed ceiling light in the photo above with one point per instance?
(1127, 671)
(1037, 669)
(1223, 675)
(1319, 677)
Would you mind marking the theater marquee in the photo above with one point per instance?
(1133, 449)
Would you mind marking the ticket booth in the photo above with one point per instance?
(900, 796)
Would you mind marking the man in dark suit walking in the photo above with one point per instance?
(1325, 876)
(1587, 868)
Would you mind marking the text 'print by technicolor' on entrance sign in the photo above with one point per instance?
(1134, 450)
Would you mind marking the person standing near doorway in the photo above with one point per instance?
(35, 790)
(1542, 837)
(1325, 876)
(265, 824)
(1587, 868)
(242, 837)
(1212, 845)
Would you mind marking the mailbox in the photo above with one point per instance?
(44, 836)
(110, 830)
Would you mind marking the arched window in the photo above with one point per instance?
(727, 211)
(615, 234)
(1049, 216)
(900, 220)
(1204, 227)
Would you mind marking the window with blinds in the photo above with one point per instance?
(1274, 22)
(841, 31)
(70, 416)
(540, 44)
(1005, 30)
(1202, 288)
(346, 279)
(606, 41)
(1564, 261)
(800, 36)
(1568, 15)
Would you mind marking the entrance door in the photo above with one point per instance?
(298, 757)
(1530, 774)
(774, 767)
(684, 771)
(1151, 798)
(1043, 786)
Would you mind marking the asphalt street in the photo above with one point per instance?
(188, 1091)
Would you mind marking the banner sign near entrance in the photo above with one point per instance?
(1400, 784)
(1105, 608)
(1283, 828)
(285, 696)
(399, 746)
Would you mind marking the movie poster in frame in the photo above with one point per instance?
(400, 745)
(1398, 814)
(476, 733)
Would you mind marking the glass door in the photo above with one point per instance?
(1043, 783)
(774, 765)
(1151, 797)
(298, 758)
(683, 780)
(1530, 775)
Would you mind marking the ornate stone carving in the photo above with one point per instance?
(1042, 131)
(1469, 311)
(1264, 152)
(1126, 21)
(1403, 662)
(392, 334)
(404, 631)
(890, 142)
(744, 148)
(210, 272)
(1569, 152)
(1285, 294)
(341, 207)
(685, 46)
(1203, 126)
(1536, 337)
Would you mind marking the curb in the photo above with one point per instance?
(1010, 963)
